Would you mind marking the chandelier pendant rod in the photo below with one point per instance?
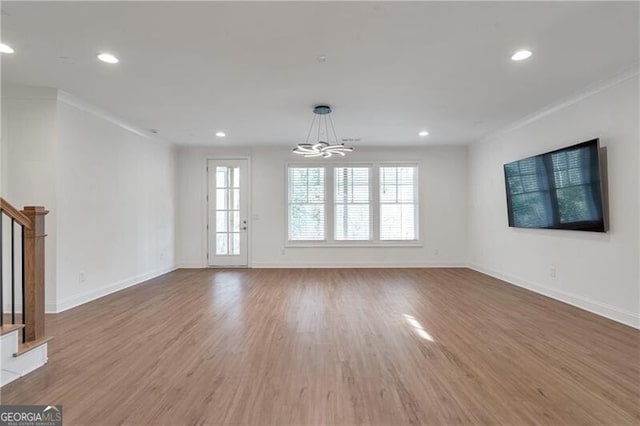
(334, 130)
(313, 120)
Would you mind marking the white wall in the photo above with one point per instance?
(115, 204)
(443, 205)
(598, 272)
(109, 188)
(29, 163)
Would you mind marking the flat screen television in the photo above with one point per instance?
(561, 189)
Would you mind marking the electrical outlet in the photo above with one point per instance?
(282, 252)
(81, 277)
(436, 252)
(552, 272)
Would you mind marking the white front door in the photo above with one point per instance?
(227, 212)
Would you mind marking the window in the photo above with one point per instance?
(351, 195)
(306, 203)
(365, 203)
(398, 196)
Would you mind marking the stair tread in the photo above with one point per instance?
(8, 328)
(26, 347)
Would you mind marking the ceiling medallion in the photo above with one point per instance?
(322, 147)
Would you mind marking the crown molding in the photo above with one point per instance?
(585, 93)
(28, 93)
(77, 103)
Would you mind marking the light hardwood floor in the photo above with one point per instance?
(345, 346)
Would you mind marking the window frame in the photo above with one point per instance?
(374, 206)
(333, 168)
(288, 204)
(416, 203)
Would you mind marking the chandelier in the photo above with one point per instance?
(322, 148)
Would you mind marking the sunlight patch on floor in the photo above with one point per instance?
(418, 328)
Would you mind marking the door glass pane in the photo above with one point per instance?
(222, 177)
(221, 244)
(221, 221)
(221, 199)
(236, 199)
(235, 221)
(235, 243)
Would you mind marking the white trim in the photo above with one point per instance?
(73, 301)
(608, 311)
(360, 264)
(28, 93)
(352, 244)
(92, 109)
(590, 90)
(190, 265)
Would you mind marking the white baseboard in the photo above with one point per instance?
(73, 301)
(190, 265)
(608, 311)
(361, 264)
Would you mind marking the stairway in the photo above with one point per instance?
(17, 358)
(23, 344)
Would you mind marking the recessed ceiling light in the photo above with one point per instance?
(108, 58)
(6, 48)
(521, 55)
(423, 133)
(221, 134)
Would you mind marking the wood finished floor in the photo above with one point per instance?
(346, 346)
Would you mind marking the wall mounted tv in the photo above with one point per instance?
(560, 189)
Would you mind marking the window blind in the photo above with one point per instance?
(306, 203)
(352, 220)
(398, 203)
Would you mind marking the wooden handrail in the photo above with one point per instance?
(33, 275)
(15, 214)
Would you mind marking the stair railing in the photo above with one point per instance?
(27, 257)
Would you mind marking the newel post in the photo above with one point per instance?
(34, 273)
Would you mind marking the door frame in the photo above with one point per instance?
(205, 211)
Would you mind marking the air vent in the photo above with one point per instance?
(351, 139)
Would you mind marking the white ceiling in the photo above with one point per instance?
(251, 69)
